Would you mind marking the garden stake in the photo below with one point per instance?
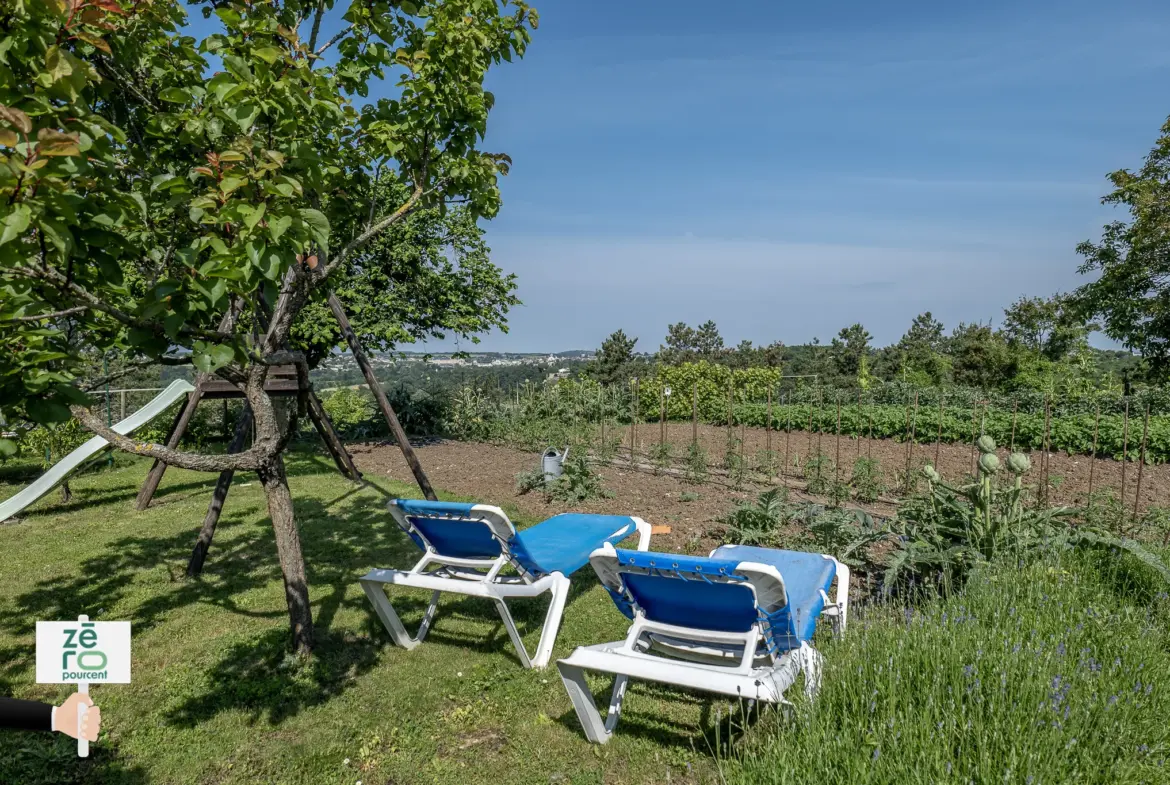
(633, 419)
(974, 437)
(1137, 494)
(601, 412)
(1047, 432)
(910, 445)
(1124, 457)
(820, 420)
(869, 444)
(661, 417)
(838, 467)
(938, 439)
(787, 436)
(859, 424)
(1015, 409)
(695, 415)
(1093, 457)
(768, 423)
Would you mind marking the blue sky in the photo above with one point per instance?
(788, 169)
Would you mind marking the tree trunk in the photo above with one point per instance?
(222, 486)
(363, 362)
(288, 549)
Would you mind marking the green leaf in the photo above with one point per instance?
(253, 216)
(15, 223)
(278, 226)
(7, 448)
(46, 410)
(318, 225)
(269, 54)
(174, 95)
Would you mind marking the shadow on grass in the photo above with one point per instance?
(342, 538)
(722, 721)
(31, 758)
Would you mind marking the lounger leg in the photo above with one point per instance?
(548, 634)
(390, 620)
(810, 663)
(596, 729)
(842, 597)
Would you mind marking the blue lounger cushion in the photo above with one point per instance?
(805, 576)
(561, 543)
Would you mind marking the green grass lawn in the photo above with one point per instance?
(1037, 674)
(214, 697)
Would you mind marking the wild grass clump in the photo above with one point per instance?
(1057, 671)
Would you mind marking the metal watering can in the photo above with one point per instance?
(553, 462)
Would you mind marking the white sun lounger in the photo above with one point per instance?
(738, 623)
(466, 547)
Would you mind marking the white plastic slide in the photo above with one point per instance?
(60, 470)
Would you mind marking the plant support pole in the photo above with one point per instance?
(1137, 495)
(1124, 456)
(1093, 456)
(910, 444)
(938, 438)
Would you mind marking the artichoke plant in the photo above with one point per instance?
(938, 536)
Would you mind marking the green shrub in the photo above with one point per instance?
(1044, 673)
(867, 482)
(352, 412)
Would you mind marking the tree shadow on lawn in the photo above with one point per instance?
(342, 539)
(722, 721)
(38, 758)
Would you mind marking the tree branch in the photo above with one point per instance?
(409, 206)
(240, 461)
(316, 26)
(53, 276)
(135, 366)
(333, 40)
(53, 315)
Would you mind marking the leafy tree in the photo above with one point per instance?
(1047, 327)
(980, 357)
(848, 349)
(679, 346)
(1132, 293)
(919, 354)
(187, 217)
(614, 359)
(424, 277)
(708, 342)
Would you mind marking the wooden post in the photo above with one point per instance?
(222, 486)
(1124, 456)
(661, 416)
(974, 436)
(768, 425)
(1141, 464)
(838, 473)
(787, 436)
(910, 445)
(601, 413)
(869, 442)
(820, 422)
(859, 423)
(224, 423)
(121, 405)
(695, 414)
(634, 407)
(178, 428)
(359, 354)
(1047, 431)
(1015, 411)
(938, 439)
(333, 443)
(1093, 456)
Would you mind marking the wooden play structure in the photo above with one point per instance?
(282, 381)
